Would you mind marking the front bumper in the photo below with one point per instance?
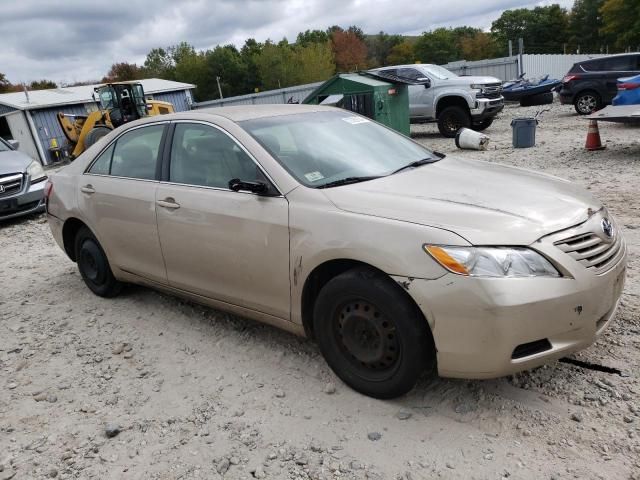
(480, 325)
(486, 108)
(29, 200)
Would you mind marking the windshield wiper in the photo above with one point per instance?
(418, 163)
(347, 181)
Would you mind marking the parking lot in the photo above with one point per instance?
(196, 393)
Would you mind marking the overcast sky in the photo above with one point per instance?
(79, 40)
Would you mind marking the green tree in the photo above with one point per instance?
(227, 63)
(312, 36)
(621, 23)
(249, 52)
(478, 46)
(401, 53)
(379, 47)
(315, 62)
(438, 46)
(5, 84)
(42, 85)
(585, 23)
(276, 66)
(543, 29)
(159, 64)
(123, 72)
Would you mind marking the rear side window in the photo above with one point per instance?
(136, 153)
(410, 73)
(102, 165)
(618, 64)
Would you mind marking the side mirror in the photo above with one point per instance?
(238, 185)
(425, 81)
(15, 144)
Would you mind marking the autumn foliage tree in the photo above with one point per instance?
(349, 51)
(123, 71)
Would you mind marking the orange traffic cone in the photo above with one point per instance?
(593, 137)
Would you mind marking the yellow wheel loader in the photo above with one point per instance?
(118, 103)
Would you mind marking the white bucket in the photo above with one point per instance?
(471, 140)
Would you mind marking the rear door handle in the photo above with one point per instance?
(168, 203)
(87, 189)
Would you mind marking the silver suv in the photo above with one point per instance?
(451, 100)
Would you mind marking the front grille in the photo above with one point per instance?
(492, 90)
(592, 250)
(10, 184)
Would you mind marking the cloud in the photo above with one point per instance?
(77, 40)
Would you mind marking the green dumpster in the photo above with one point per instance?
(384, 102)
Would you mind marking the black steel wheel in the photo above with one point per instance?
(483, 125)
(587, 102)
(94, 266)
(452, 119)
(372, 334)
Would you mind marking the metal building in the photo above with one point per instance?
(30, 117)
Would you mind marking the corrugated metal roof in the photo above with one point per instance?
(81, 94)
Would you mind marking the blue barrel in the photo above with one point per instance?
(524, 132)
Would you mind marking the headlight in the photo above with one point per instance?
(36, 172)
(480, 88)
(492, 261)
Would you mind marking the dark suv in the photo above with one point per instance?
(592, 84)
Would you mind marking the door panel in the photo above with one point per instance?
(118, 198)
(123, 215)
(226, 245)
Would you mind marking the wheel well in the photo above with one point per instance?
(451, 101)
(587, 90)
(69, 231)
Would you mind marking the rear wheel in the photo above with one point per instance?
(371, 334)
(452, 119)
(587, 102)
(94, 266)
(95, 134)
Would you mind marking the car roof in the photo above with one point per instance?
(408, 65)
(238, 113)
(595, 59)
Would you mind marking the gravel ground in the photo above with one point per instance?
(147, 386)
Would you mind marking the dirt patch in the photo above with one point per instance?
(149, 386)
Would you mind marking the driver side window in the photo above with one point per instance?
(205, 156)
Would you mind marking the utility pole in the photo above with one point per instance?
(510, 48)
(564, 48)
(520, 53)
(219, 89)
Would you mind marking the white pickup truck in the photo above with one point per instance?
(451, 100)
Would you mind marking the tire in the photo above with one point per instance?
(371, 334)
(452, 119)
(539, 99)
(483, 125)
(95, 134)
(94, 266)
(587, 102)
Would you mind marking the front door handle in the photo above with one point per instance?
(168, 203)
(87, 189)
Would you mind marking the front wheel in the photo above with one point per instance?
(587, 102)
(94, 266)
(371, 334)
(452, 119)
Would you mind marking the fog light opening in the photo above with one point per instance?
(531, 348)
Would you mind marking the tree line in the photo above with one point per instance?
(590, 26)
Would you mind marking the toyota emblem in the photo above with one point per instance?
(607, 227)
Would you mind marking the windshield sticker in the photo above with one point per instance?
(355, 120)
(313, 176)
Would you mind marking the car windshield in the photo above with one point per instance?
(322, 148)
(439, 72)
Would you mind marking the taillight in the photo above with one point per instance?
(628, 86)
(569, 78)
(48, 188)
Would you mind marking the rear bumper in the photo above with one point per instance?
(565, 96)
(486, 328)
(29, 200)
(55, 224)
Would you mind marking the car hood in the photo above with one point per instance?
(13, 162)
(483, 202)
(473, 80)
